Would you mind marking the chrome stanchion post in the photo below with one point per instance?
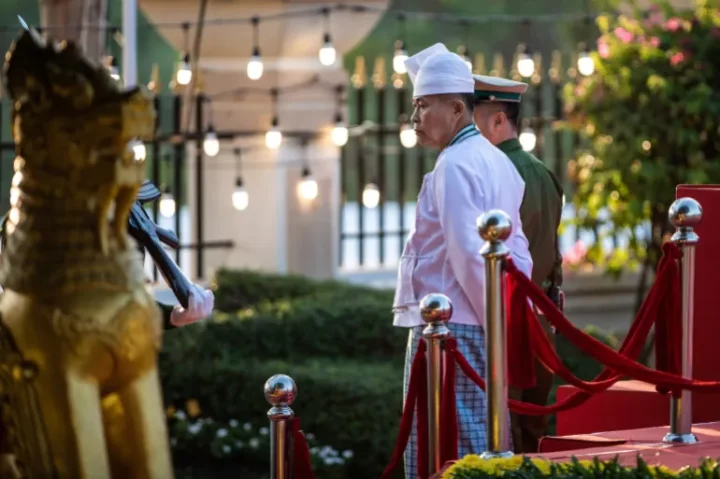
(436, 310)
(685, 214)
(280, 392)
(495, 227)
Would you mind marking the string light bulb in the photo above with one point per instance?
(255, 66)
(240, 197)
(327, 53)
(307, 188)
(273, 137)
(138, 149)
(211, 144)
(465, 55)
(585, 63)
(371, 196)
(401, 55)
(408, 137)
(528, 139)
(525, 62)
(167, 204)
(184, 72)
(339, 133)
(111, 65)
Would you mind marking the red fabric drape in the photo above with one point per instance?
(668, 332)
(521, 361)
(598, 350)
(418, 375)
(448, 420)
(302, 466)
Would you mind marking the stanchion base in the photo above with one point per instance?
(672, 438)
(497, 455)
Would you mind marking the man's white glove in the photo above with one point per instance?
(200, 306)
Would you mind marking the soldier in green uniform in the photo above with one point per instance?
(497, 114)
(201, 303)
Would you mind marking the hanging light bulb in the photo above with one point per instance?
(465, 55)
(211, 144)
(408, 137)
(525, 63)
(528, 139)
(371, 196)
(307, 188)
(184, 73)
(255, 66)
(339, 133)
(585, 63)
(327, 52)
(138, 149)
(399, 58)
(111, 65)
(240, 197)
(167, 204)
(273, 137)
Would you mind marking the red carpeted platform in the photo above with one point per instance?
(627, 445)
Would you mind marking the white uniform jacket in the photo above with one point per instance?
(441, 254)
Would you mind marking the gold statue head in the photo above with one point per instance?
(73, 105)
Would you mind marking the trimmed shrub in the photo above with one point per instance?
(239, 289)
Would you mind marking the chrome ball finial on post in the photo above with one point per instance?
(436, 308)
(494, 226)
(280, 391)
(685, 214)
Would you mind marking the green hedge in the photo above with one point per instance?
(338, 343)
(342, 324)
(239, 289)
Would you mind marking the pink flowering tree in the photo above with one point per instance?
(650, 118)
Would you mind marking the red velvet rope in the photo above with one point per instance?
(449, 422)
(418, 378)
(302, 466)
(423, 446)
(631, 346)
(595, 348)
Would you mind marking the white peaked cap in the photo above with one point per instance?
(436, 70)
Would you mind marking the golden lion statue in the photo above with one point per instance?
(79, 332)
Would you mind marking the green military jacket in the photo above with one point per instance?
(166, 309)
(540, 213)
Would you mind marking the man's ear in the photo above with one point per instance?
(459, 107)
(499, 118)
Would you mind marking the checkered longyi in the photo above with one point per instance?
(471, 404)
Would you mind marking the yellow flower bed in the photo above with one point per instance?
(474, 467)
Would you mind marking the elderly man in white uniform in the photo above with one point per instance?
(441, 254)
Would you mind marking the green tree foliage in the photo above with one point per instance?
(651, 118)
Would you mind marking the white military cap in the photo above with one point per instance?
(489, 88)
(436, 71)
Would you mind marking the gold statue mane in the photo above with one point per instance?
(72, 124)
